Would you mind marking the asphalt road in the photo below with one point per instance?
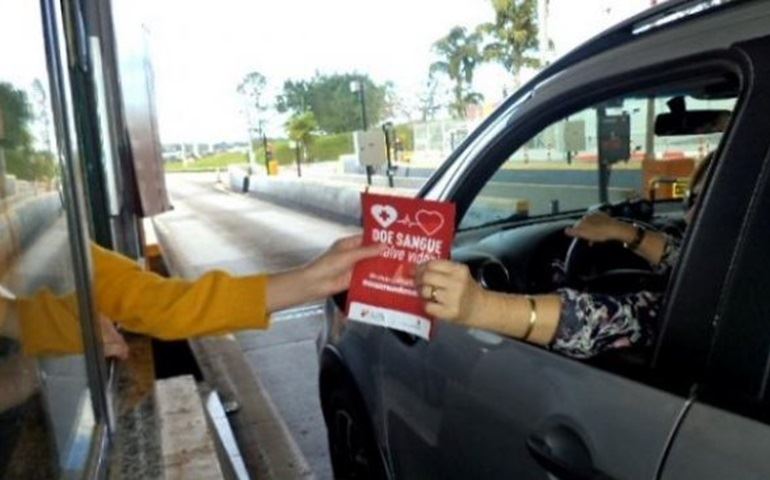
(255, 236)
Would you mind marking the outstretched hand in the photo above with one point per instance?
(328, 274)
(331, 272)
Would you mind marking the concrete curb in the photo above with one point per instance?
(336, 201)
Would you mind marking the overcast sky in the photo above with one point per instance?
(202, 49)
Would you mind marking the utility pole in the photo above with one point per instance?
(387, 128)
(264, 147)
(357, 86)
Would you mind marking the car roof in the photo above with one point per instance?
(667, 15)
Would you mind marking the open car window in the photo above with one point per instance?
(642, 145)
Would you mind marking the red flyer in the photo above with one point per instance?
(382, 290)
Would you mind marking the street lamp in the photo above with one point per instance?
(357, 86)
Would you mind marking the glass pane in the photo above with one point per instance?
(46, 418)
(558, 169)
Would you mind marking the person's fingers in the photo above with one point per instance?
(116, 350)
(114, 343)
(435, 279)
(426, 291)
(348, 243)
(115, 346)
(443, 266)
(361, 253)
(433, 294)
(436, 310)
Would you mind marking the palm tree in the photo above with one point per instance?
(460, 55)
(301, 129)
(512, 36)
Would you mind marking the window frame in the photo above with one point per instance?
(734, 379)
(61, 49)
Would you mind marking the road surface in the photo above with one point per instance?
(254, 236)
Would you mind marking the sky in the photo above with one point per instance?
(202, 49)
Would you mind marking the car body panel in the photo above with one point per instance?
(463, 404)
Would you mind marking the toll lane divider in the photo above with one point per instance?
(333, 200)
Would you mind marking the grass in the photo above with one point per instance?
(211, 162)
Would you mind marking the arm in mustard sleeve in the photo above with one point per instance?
(147, 303)
(49, 324)
(171, 308)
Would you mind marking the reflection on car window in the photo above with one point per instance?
(559, 169)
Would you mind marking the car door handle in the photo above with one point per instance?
(561, 452)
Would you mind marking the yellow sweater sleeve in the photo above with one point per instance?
(49, 324)
(172, 308)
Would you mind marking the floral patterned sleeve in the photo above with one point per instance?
(670, 255)
(591, 323)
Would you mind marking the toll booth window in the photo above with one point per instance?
(46, 416)
(642, 145)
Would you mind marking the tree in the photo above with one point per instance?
(20, 159)
(296, 97)
(335, 107)
(252, 89)
(41, 112)
(512, 37)
(429, 103)
(459, 54)
(301, 128)
(16, 114)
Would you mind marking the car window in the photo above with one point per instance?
(607, 152)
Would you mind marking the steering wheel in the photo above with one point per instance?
(608, 267)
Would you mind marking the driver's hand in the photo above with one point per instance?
(449, 291)
(600, 227)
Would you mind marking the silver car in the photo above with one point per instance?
(616, 125)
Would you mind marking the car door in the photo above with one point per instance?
(725, 433)
(472, 404)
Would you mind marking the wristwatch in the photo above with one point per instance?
(638, 237)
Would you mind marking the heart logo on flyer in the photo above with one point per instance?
(429, 221)
(385, 215)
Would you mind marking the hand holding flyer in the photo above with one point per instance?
(382, 291)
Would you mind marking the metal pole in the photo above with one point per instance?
(363, 121)
(603, 167)
(649, 141)
(267, 153)
(386, 131)
(299, 167)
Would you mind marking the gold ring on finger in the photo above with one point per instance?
(433, 291)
